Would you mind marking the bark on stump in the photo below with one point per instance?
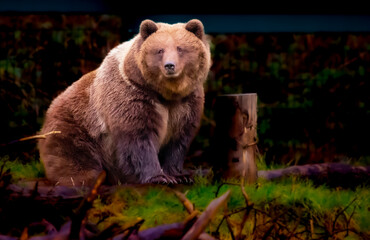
(235, 138)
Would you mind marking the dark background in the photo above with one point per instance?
(310, 66)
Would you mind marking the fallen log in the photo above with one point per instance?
(331, 174)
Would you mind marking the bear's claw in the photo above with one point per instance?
(184, 179)
(162, 179)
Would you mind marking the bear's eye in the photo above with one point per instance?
(179, 50)
(160, 51)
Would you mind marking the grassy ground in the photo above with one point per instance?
(287, 208)
(295, 207)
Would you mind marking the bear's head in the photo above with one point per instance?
(172, 60)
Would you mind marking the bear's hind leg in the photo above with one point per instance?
(61, 171)
(71, 158)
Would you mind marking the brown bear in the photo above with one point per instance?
(135, 115)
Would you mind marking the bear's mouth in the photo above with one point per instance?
(171, 74)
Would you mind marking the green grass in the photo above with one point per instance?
(158, 205)
(262, 165)
(32, 170)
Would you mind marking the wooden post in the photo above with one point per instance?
(235, 137)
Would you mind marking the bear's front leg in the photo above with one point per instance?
(172, 160)
(137, 161)
(186, 119)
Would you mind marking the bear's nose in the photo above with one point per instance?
(170, 67)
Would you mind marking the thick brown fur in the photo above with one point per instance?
(134, 116)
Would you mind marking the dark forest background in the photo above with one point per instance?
(313, 87)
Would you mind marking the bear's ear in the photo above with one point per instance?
(147, 27)
(195, 26)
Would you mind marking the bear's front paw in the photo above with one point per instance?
(162, 179)
(184, 178)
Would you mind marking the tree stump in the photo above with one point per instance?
(235, 137)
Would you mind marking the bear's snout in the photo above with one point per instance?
(170, 67)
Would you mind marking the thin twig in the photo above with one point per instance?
(229, 227)
(341, 212)
(134, 228)
(189, 206)
(39, 136)
(350, 218)
(228, 223)
(312, 230)
(204, 219)
(219, 225)
(85, 205)
(268, 232)
(220, 186)
(245, 146)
